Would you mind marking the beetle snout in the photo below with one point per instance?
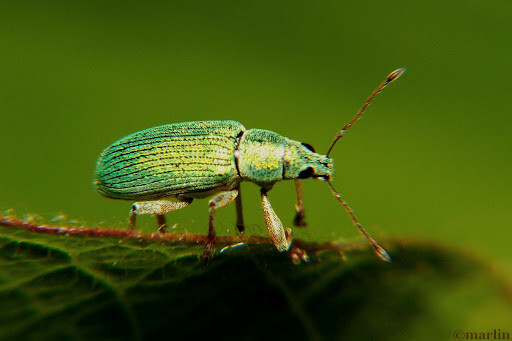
(325, 170)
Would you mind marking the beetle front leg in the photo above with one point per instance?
(299, 207)
(279, 237)
(220, 200)
(158, 208)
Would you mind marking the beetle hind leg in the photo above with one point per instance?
(220, 200)
(157, 208)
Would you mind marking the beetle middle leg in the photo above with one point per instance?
(220, 200)
(158, 208)
(239, 213)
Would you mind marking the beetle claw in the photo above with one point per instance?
(206, 256)
(299, 220)
(298, 255)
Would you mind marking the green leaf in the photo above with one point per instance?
(91, 287)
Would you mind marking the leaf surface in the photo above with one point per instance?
(91, 287)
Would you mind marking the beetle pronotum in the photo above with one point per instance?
(189, 160)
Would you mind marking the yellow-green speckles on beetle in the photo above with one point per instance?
(164, 168)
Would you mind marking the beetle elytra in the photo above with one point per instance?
(163, 169)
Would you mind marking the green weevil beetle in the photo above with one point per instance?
(165, 168)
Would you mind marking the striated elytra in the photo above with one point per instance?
(164, 168)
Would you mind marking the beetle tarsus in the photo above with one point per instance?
(133, 218)
(298, 255)
(299, 219)
(206, 257)
(240, 228)
(162, 225)
(208, 252)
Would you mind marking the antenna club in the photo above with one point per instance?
(391, 78)
(381, 253)
(395, 75)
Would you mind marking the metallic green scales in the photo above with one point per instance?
(188, 160)
(172, 159)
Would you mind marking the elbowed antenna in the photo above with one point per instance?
(379, 250)
(390, 79)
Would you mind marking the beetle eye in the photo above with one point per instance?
(308, 146)
(306, 173)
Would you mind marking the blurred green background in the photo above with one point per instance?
(431, 159)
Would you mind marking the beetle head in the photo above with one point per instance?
(302, 162)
